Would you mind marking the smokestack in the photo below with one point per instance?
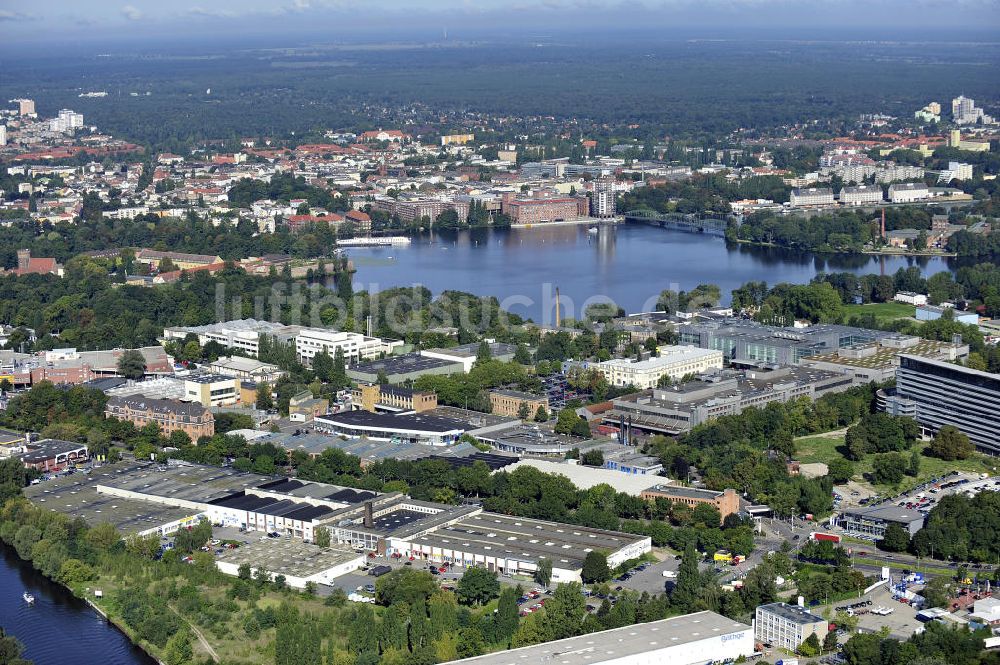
(558, 317)
(883, 223)
(369, 519)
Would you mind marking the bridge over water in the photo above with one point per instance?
(702, 223)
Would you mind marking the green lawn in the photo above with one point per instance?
(820, 448)
(883, 311)
(825, 449)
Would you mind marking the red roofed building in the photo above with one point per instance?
(26, 265)
(322, 149)
(174, 275)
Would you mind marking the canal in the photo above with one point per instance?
(58, 629)
(629, 264)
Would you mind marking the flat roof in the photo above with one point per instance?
(525, 539)
(405, 364)
(417, 422)
(794, 613)
(472, 350)
(618, 644)
(190, 483)
(585, 477)
(686, 492)
(289, 556)
(889, 512)
(77, 496)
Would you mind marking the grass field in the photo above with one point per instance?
(883, 311)
(825, 449)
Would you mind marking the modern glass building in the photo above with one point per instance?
(940, 393)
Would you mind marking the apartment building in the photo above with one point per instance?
(538, 211)
(861, 194)
(169, 415)
(812, 196)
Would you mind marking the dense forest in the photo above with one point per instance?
(673, 88)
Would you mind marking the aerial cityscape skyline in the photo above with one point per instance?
(578, 331)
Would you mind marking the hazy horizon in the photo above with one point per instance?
(52, 22)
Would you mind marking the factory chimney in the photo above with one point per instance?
(883, 224)
(558, 318)
(369, 519)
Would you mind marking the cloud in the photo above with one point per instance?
(131, 13)
(8, 15)
(211, 13)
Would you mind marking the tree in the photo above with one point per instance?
(322, 365)
(543, 572)
(524, 411)
(132, 365)
(265, 401)
(541, 415)
(840, 470)
(483, 353)
(592, 458)
(810, 646)
(566, 420)
(950, 444)
(888, 469)
(322, 536)
(685, 591)
(895, 539)
(595, 568)
(521, 355)
(581, 428)
(478, 586)
(178, 650)
(338, 375)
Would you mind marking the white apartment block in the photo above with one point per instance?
(3, 135)
(356, 347)
(813, 196)
(897, 173)
(911, 298)
(673, 361)
(908, 192)
(602, 202)
(861, 194)
(780, 625)
(956, 171)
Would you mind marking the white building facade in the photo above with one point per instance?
(673, 361)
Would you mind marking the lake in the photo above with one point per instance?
(629, 264)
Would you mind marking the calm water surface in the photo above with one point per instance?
(58, 629)
(630, 264)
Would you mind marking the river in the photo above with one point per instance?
(629, 264)
(58, 629)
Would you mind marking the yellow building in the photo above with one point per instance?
(375, 398)
(457, 139)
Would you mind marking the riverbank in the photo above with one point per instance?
(61, 626)
(590, 221)
(890, 252)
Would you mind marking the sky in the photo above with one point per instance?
(107, 20)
